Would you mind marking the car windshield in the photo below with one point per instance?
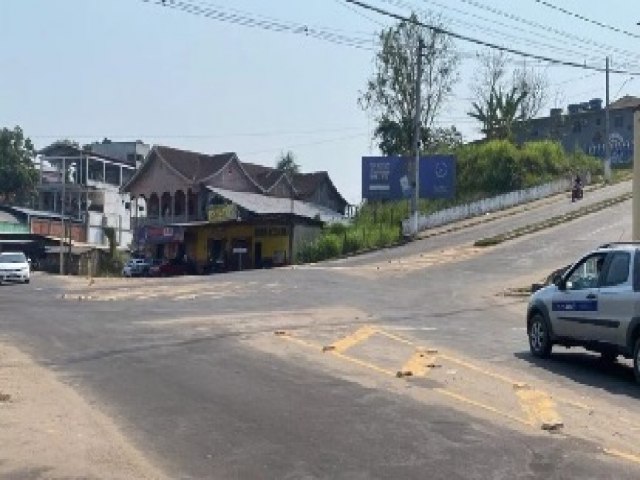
(12, 258)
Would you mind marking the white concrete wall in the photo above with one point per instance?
(115, 215)
(488, 205)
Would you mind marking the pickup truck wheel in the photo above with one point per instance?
(636, 360)
(539, 338)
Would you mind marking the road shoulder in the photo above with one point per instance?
(47, 430)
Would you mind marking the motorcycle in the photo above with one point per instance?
(576, 192)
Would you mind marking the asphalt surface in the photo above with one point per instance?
(192, 372)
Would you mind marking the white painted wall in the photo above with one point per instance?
(488, 205)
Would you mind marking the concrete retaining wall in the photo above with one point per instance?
(488, 205)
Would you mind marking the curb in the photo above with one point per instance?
(551, 222)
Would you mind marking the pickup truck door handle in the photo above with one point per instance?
(592, 296)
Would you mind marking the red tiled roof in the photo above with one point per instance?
(192, 165)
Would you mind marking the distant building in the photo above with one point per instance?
(219, 212)
(583, 127)
(132, 153)
(85, 186)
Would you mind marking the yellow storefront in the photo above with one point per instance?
(224, 243)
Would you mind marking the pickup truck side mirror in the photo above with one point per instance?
(558, 282)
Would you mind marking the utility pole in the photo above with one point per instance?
(607, 141)
(63, 230)
(416, 139)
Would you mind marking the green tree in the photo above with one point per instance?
(501, 113)
(495, 92)
(390, 95)
(18, 176)
(287, 163)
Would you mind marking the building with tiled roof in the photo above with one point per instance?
(210, 208)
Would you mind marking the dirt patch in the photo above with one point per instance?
(47, 430)
(149, 289)
(398, 267)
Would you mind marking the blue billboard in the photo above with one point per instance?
(386, 178)
(437, 176)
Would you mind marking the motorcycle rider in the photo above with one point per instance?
(576, 191)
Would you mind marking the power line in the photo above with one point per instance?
(248, 20)
(307, 144)
(588, 20)
(206, 136)
(359, 13)
(494, 21)
(547, 28)
(494, 46)
(489, 30)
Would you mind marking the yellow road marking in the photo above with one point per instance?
(299, 341)
(384, 371)
(624, 455)
(475, 368)
(540, 408)
(363, 363)
(396, 338)
(419, 364)
(489, 408)
(339, 346)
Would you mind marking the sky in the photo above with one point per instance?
(130, 69)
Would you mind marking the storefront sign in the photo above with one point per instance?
(241, 250)
(222, 213)
(157, 235)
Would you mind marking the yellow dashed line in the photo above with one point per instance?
(301, 342)
(489, 408)
(475, 368)
(624, 455)
(396, 338)
(363, 364)
(356, 337)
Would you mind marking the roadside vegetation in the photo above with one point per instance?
(483, 170)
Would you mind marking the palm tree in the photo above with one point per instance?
(287, 163)
(500, 114)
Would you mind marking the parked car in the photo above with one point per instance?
(14, 267)
(594, 304)
(154, 268)
(172, 268)
(136, 267)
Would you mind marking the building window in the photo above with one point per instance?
(577, 126)
(617, 121)
(598, 121)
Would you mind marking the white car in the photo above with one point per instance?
(14, 267)
(136, 267)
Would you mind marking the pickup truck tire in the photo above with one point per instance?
(539, 338)
(636, 360)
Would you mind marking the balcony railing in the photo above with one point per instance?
(166, 220)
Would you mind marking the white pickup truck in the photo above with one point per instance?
(595, 304)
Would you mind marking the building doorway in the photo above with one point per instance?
(257, 254)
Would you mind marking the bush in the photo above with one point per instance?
(483, 169)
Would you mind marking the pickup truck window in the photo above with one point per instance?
(586, 274)
(617, 269)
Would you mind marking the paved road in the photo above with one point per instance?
(192, 371)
